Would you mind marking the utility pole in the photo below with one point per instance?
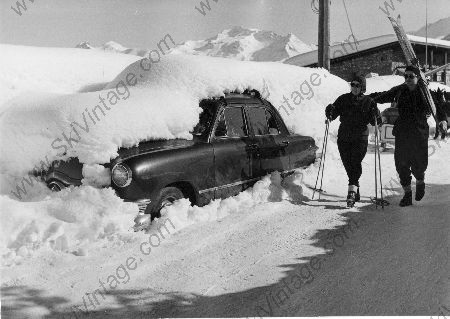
(426, 36)
(324, 34)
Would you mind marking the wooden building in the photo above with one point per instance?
(382, 55)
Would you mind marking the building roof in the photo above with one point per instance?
(352, 45)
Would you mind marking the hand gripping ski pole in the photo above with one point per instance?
(322, 159)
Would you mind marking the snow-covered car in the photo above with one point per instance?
(239, 139)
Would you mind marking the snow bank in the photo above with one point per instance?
(160, 103)
(383, 83)
(386, 82)
(82, 219)
(271, 188)
(434, 86)
(28, 69)
(72, 221)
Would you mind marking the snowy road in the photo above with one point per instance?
(386, 263)
(275, 259)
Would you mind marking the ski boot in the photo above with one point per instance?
(357, 196)
(420, 190)
(351, 198)
(407, 199)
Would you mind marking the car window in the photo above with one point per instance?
(205, 120)
(258, 119)
(231, 123)
(263, 122)
(272, 123)
(221, 129)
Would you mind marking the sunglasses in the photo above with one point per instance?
(355, 84)
(409, 76)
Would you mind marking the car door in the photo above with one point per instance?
(233, 152)
(271, 138)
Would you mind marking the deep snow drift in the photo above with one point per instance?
(29, 70)
(153, 101)
(148, 100)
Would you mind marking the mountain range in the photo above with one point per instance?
(255, 45)
(437, 30)
(236, 43)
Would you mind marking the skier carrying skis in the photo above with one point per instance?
(356, 111)
(411, 132)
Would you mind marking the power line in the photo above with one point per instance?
(349, 24)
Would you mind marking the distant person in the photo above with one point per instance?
(439, 100)
(356, 111)
(411, 133)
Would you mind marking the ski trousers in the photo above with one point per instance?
(352, 153)
(411, 156)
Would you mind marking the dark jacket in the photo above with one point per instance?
(355, 113)
(412, 109)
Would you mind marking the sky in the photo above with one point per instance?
(142, 23)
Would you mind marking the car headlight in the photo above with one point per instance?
(121, 175)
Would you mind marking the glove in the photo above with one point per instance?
(329, 110)
(373, 111)
(443, 126)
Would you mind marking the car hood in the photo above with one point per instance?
(152, 146)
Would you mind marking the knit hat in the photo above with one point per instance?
(361, 79)
(413, 69)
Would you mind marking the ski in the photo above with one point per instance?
(379, 201)
(411, 59)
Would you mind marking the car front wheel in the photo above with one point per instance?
(167, 196)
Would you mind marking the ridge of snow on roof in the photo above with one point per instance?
(346, 48)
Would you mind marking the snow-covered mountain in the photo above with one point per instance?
(437, 30)
(84, 45)
(236, 43)
(113, 46)
(247, 44)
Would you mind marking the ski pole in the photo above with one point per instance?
(325, 154)
(375, 158)
(320, 164)
(322, 157)
(379, 162)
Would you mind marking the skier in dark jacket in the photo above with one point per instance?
(411, 133)
(356, 111)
